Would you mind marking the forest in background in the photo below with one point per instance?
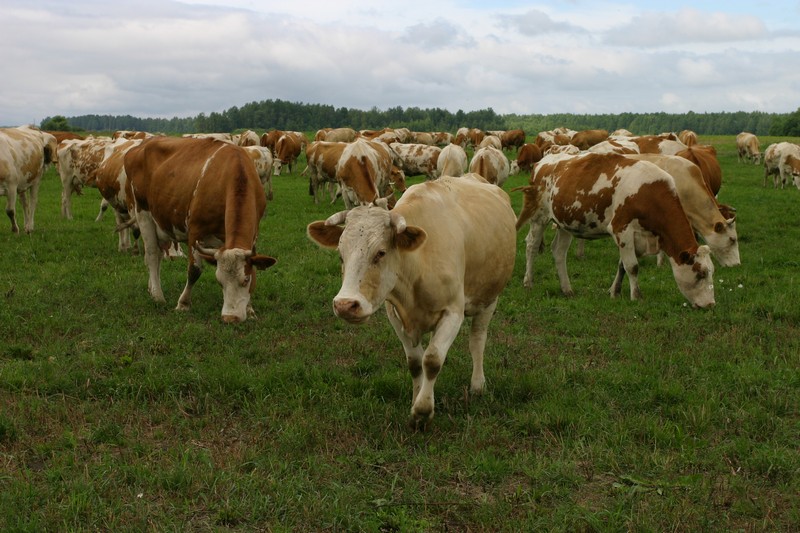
(297, 116)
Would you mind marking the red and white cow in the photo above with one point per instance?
(615, 146)
(322, 158)
(596, 195)
(512, 139)
(431, 271)
(248, 138)
(687, 137)
(264, 163)
(782, 162)
(705, 157)
(207, 194)
(415, 159)
(665, 144)
(287, 150)
(492, 164)
(111, 180)
(452, 161)
(528, 155)
(25, 151)
(747, 148)
(78, 161)
(364, 172)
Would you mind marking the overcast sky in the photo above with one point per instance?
(164, 58)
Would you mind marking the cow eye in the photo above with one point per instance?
(378, 256)
(246, 281)
(701, 276)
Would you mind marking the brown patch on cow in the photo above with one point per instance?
(705, 157)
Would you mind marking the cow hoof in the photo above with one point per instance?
(417, 423)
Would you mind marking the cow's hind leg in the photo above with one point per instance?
(532, 243)
(616, 287)
(152, 254)
(477, 344)
(11, 204)
(559, 248)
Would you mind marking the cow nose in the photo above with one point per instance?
(231, 319)
(346, 307)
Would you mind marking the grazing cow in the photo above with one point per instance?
(416, 159)
(705, 157)
(111, 181)
(270, 138)
(25, 151)
(287, 150)
(782, 161)
(491, 140)
(700, 206)
(78, 162)
(452, 161)
(445, 252)
(748, 148)
(687, 137)
(512, 139)
(264, 163)
(442, 138)
(528, 155)
(492, 164)
(343, 135)
(207, 194)
(364, 172)
(322, 158)
(248, 138)
(587, 138)
(597, 195)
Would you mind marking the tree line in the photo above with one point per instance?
(296, 116)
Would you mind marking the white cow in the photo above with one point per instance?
(782, 161)
(445, 252)
(452, 161)
(492, 164)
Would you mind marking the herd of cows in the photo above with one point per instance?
(654, 194)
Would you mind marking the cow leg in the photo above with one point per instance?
(103, 207)
(27, 211)
(192, 275)
(580, 249)
(559, 248)
(532, 243)
(66, 199)
(152, 254)
(630, 264)
(616, 286)
(124, 235)
(11, 204)
(477, 344)
(412, 346)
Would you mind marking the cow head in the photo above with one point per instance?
(694, 274)
(724, 242)
(236, 273)
(371, 245)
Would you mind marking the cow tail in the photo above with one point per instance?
(529, 204)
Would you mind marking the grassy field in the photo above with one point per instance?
(120, 414)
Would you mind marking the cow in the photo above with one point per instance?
(416, 159)
(25, 151)
(111, 180)
(491, 140)
(345, 135)
(364, 172)
(687, 137)
(442, 138)
(665, 144)
(596, 195)
(747, 148)
(782, 161)
(616, 146)
(492, 164)
(78, 161)
(225, 137)
(264, 163)
(65, 135)
(422, 137)
(207, 194)
(705, 157)
(322, 158)
(270, 138)
(585, 139)
(528, 155)
(431, 271)
(452, 161)
(287, 150)
(512, 139)
(700, 206)
(248, 138)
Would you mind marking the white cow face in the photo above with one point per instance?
(236, 272)
(724, 243)
(371, 246)
(695, 278)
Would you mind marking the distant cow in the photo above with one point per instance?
(782, 161)
(264, 163)
(705, 157)
(598, 195)
(747, 148)
(585, 139)
(416, 159)
(492, 164)
(78, 161)
(24, 153)
(207, 194)
(452, 161)
(322, 158)
(344, 135)
(287, 150)
(528, 155)
(687, 137)
(445, 252)
(111, 180)
(512, 139)
(364, 171)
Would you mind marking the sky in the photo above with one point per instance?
(169, 58)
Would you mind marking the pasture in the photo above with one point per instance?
(117, 413)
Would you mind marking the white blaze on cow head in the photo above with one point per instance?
(724, 242)
(369, 246)
(695, 277)
(236, 274)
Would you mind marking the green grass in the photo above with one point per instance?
(120, 414)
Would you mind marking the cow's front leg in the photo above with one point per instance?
(559, 248)
(412, 346)
(432, 361)
(629, 261)
(192, 275)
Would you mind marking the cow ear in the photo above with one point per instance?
(410, 239)
(262, 262)
(686, 258)
(324, 235)
(719, 227)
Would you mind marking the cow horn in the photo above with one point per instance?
(206, 251)
(336, 218)
(382, 203)
(398, 222)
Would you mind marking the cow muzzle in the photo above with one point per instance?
(232, 319)
(351, 310)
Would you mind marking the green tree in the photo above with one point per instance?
(56, 123)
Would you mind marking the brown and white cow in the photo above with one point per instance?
(207, 194)
(442, 138)
(491, 140)
(617, 146)
(747, 148)
(111, 180)
(416, 159)
(705, 157)
(687, 137)
(431, 271)
(700, 206)
(322, 158)
(78, 161)
(665, 144)
(364, 172)
(287, 150)
(492, 164)
(528, 155)
(782, 162)
(585, 139)
(596, 195)
(248, 138)
(512, 139)
(452, 161)
(264, 163)
(25, 151)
